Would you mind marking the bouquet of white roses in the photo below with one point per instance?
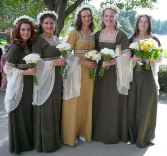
(146, 48)
(31, 60)
(93, 56)
(63, 47)
(107, 55)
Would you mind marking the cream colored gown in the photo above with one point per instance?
(77, 112)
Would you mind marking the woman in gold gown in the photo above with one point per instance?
(77, 111)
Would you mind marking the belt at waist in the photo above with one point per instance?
(80, 51)
(52, 58)
(22, 66)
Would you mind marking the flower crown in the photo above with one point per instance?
(44, 13)
(17, 20)
(84, 7)
(113, 7)
(139, 15)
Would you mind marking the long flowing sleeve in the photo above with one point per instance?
(124, 66)
(155, 65)
(72, 84)
(15, 80)
(45, 75)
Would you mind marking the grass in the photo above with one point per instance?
(165, 53)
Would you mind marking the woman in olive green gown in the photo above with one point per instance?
(110, 122)
(47, 96)
(77, 110)
(18, 98)
(142, 99)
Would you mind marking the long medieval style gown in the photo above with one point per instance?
(77, 111)
(18, 101)
(47, 115)
(110, 122)
(142, 105)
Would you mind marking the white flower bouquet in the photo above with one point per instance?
(31, 60)
(93, 56)
(146, 48)
(63, 47)
(107, 55)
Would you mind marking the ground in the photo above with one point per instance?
(96, 148)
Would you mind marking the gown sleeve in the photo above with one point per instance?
(15, 80)
(72, 39)
(155, 65)
(72, 85)
(45, 75)
(97, 40)
(124, 66)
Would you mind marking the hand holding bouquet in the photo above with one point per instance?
(146, 48)
(93, 56)
(31, 60)
(107, 55)
(63, 47)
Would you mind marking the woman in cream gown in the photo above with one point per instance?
(77, 111)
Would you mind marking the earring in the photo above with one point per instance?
(42, 29)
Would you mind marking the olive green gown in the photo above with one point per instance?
(21, 118)
(110, 122)
(142, 106)
(47, 117)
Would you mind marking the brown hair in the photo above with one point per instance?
(40, 29)
(78, 23)
(117, 25)
(149, 31)
(16, 38)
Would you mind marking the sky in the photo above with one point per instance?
(156, 14)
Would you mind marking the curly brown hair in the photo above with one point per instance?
(78, 23)
(149, 31)
(16, 38)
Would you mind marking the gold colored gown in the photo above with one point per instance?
(77, 112)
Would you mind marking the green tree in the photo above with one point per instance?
(66, 7)
(126, 25)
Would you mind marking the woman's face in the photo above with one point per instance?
(48, 25)
(143, 24)
(25, 32)
(109, 17)
(86, 18)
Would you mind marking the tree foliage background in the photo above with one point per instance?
(10, 9)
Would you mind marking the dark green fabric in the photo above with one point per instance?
(109, 107)
(47, 117)
(142, 107)
(21, 119)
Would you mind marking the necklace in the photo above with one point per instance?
(86, 30)
(108, 32)
(48, 36)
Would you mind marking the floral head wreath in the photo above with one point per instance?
(84, 7)
(44, 13)
(17, 20)
(113, 7)
(139, 15)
